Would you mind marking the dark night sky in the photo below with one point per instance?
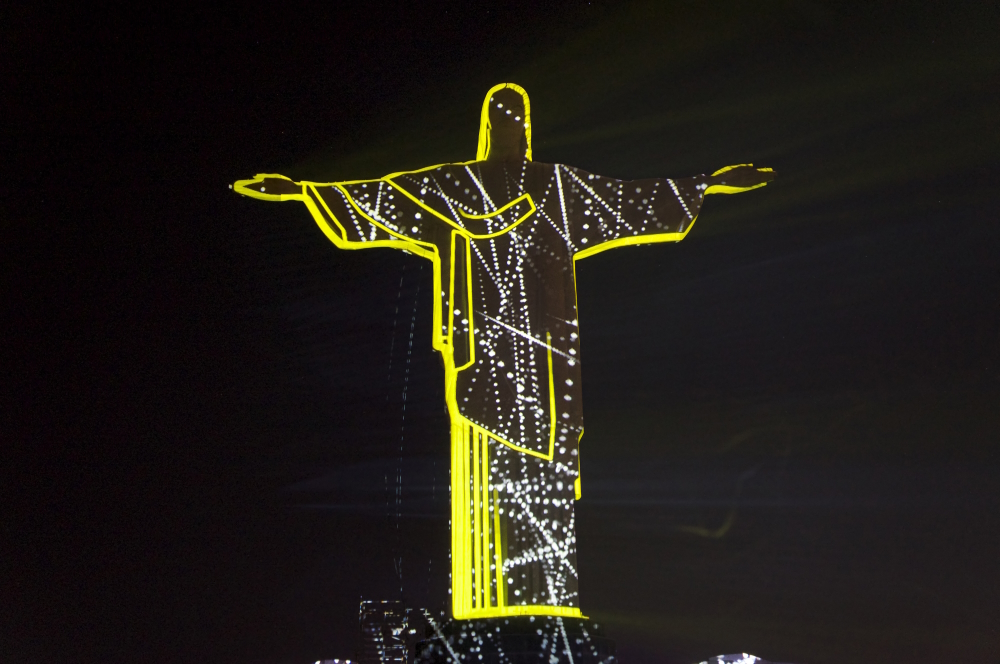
(793, 439)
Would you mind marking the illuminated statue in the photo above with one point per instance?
(503, 233)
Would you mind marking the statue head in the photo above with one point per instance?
(505, 125)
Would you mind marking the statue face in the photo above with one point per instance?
(507, 120)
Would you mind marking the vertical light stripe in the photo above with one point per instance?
(482, 190)
(477, 533)
(450, 325)
(460, 561)
(498, 552)
(464, 573)
(455, 526)
(562, 205)
(485, 497)
(552, 399)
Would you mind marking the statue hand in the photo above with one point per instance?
(269, 187)
(742, 177)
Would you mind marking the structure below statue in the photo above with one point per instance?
(517, 640)
(392, 633)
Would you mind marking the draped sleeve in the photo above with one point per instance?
(602, 212)
(369, 212)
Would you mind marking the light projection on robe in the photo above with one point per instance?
(503, 233)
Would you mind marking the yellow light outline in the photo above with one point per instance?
(467, 436)
(552, 399)
(498, 551)
(514, 202)
(460, 519)
(477, 541)
(578, 483)
(483, 151)
(477, 217)
(484, 498)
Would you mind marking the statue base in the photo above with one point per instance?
(516, 640)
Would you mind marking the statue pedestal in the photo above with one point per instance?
(519, 640)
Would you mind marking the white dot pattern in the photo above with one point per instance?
(520, 327)
(522, 279)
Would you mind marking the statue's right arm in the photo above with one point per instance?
(352, 215)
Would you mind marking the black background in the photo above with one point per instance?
(792, 421)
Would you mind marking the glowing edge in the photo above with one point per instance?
(483, 150)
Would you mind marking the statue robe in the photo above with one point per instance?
(503, 237)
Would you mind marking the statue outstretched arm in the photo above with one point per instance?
(603, 213)
(353, 215)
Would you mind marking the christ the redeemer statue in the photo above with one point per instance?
(503, 233)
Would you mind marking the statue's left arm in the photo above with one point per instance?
(602, 213)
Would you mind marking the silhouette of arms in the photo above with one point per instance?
(602, 213)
